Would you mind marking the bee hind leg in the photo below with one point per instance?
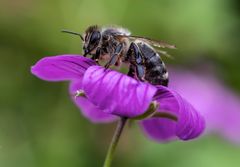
(131, 71)
(114, 56)
(140, 72)
(135, 57)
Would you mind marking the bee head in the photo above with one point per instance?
(91, 40)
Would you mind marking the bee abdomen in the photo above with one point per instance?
(156, 72)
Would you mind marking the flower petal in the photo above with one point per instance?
(220, 105)
(117, 93)
(189, 125)
(63, 67)
(89, 110)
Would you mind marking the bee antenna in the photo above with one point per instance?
(74, 33)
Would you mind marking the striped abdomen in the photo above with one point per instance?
(156, 72)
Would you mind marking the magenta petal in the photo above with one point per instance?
(117, 93)
(190, 123)
(89, 110)
(159, 129)
(219, 105)
(63, 67)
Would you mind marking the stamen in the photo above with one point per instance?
(80, 93)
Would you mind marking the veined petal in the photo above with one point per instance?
(189, 124)
(62, 67)
(217, 103)
(117, 93)
(89, 110)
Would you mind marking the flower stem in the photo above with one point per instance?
(114, 142)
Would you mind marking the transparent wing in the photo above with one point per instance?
(155, 43)
(162, 52)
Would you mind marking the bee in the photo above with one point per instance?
(117, 45)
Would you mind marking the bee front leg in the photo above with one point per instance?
(97, 55)
(115, 55)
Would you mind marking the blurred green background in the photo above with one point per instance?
(41, 127)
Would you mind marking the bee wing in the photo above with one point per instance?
(155, 43)
(162, 52)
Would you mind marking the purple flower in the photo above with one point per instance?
(72, 68)
(110, 94)
(189, 124)
(220, 106)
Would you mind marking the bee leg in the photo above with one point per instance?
(140, 72)
(131, 72)
(97, 55)
(136, 59)
(114, 56)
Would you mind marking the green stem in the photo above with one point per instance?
(114, 142)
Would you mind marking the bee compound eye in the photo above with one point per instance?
(95, 37)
